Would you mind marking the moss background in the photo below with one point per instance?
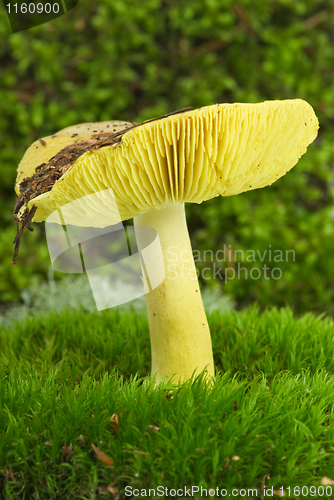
(133, 60)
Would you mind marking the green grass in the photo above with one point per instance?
(63, 375)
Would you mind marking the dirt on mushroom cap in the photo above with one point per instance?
(47, 174)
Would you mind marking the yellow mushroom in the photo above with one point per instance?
(152, 170)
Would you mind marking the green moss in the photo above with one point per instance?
(63, 375)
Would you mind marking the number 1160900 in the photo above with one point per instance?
(32, 8)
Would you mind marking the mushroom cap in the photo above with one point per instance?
(223, 149)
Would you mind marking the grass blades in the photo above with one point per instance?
(63, 377)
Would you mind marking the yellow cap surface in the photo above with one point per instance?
(224, 149)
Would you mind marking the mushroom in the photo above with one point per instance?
(153, 169)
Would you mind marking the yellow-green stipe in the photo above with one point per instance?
(179, 331)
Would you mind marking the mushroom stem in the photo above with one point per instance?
(179, 331)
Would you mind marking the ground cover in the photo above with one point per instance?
(73, 383)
